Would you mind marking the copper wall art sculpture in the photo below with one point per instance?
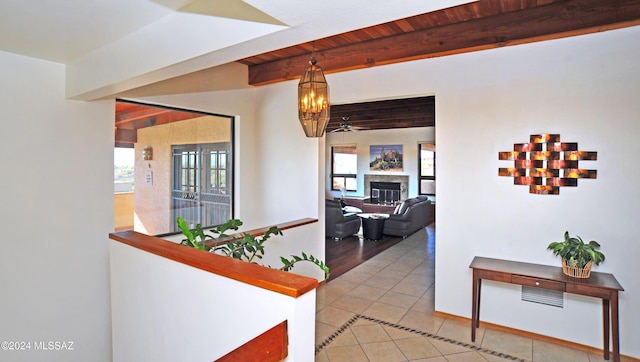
(545, 164)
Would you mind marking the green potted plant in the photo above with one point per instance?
(245, 247)
(577, 256)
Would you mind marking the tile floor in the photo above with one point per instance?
(382, 310)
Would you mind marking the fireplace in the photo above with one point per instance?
(403, 180)
(386, 193)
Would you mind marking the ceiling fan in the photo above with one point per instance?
(346, 126)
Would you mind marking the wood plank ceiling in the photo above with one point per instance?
(479, 25)
(132, 116)
(394, 113)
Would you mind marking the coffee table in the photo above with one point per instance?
(373, 225)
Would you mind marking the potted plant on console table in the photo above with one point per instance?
(577, 256)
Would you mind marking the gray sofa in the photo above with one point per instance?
(408, 217)
(338, 224)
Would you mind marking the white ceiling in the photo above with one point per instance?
(169, 34)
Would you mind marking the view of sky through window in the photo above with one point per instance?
(123, 167)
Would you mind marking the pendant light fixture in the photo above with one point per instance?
(313, 100)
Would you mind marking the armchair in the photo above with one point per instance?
(338, 224)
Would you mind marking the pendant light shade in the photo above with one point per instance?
(313, 100)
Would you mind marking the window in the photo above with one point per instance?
(427, 178)
(176, 162)
(344, 168)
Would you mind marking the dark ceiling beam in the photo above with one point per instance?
(544, 22)
(385, 114)
(144, 116)
(388, 104)
(382, 117)
(398, 113)
(139, 113)
(126, 137)
(386, 124)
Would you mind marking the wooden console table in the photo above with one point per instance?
(599, 285)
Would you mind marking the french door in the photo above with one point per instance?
(202, 184)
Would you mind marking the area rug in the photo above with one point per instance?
(358, 317)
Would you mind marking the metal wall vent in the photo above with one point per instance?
(553, 298)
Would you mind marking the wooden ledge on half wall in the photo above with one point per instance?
(278, 281)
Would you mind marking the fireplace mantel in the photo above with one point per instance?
(402, 179)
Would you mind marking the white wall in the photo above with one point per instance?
(409, 138)
(56, 212)
(168, 311)
(584, 88)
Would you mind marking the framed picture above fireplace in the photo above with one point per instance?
(385, 158)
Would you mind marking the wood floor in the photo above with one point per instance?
(343, 255)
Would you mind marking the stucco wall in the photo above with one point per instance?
(153, 202)
(123, 211)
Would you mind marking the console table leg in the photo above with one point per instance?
(475, 302)
(478, 311)
(606, 327)
(615, 328)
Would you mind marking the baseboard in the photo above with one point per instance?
(540, 337)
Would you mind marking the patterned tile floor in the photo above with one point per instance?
(382, 310)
